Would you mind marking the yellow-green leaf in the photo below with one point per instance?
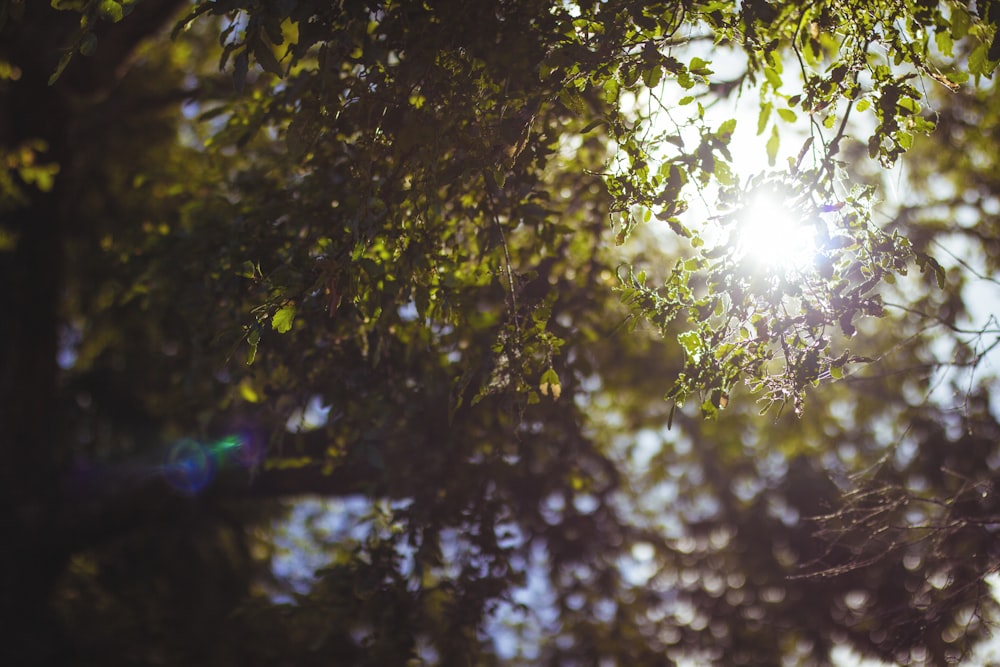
(249, 394)
(772, 77)
(772, 146)
(765, 113)
(111, 10)
(282, 320)
(549, 384)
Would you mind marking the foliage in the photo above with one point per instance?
(489, 237)
(774, 335)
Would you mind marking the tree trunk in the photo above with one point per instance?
(32, 449)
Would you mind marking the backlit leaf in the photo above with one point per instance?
(773, 143)
(283, 319)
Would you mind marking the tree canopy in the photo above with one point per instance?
(444, 332)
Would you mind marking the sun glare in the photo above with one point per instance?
(772, 236)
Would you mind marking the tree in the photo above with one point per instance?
(470, 230)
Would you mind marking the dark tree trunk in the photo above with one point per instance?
(32, 449)
(31, 275)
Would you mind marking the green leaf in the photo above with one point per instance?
(241, 65)
(651, 76)
(772, 77)
(874, 144)
(548, 384)
(88, 44)
(195, 13)
(727, 128)
(677, 228)
(909, 104)
(765, 114)
(723, 173)
(299, 138)
(265, 57)
(574, 101)
(248, 270)
(925, 262)
(772, 146)
(977, 60)
(282, 320)
(63, 62)
(787, 115)
(248, 392)
(691, 343)
(944, 42)
(960, 22)
(700, 67)
(111, 10)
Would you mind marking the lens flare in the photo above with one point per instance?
(189, 467)
(250, 451)
(227, 444)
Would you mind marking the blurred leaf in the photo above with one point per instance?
(773, 143)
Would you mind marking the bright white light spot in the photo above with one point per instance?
(310, 418)
(770, 235)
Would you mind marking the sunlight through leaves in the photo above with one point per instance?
(771, 235)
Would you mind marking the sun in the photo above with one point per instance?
(770, 234)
